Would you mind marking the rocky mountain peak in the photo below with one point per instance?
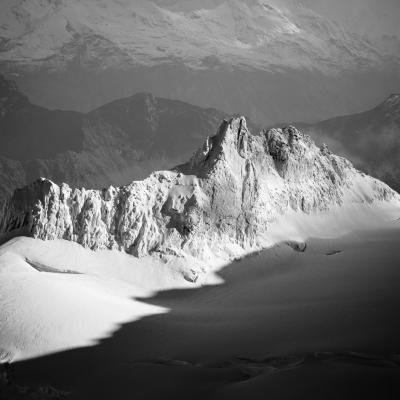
(220, 204)
(234, 140)
(230, 140)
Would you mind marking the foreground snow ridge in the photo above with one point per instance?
(233, 197)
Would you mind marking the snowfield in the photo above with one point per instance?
(43, 312)
(56, 295)
(283, 321)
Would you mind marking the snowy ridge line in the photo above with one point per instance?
(230, 199)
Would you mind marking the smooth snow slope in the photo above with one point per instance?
(311, 324)
(56, 295)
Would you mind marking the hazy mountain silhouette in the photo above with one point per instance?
(370, 139)
(114, 144)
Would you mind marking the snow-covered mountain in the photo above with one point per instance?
(373, 19)
(371, 139)
(111, 33)
(272, 60)
(237, 194)
(114, 144)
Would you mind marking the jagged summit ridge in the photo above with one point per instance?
(222, 202)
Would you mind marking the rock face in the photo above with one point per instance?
(222, 202)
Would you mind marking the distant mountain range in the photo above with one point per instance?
(129, 138)
(274, 60)
(370, 139)
(120, 141)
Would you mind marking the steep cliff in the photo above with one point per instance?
(225, 202)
